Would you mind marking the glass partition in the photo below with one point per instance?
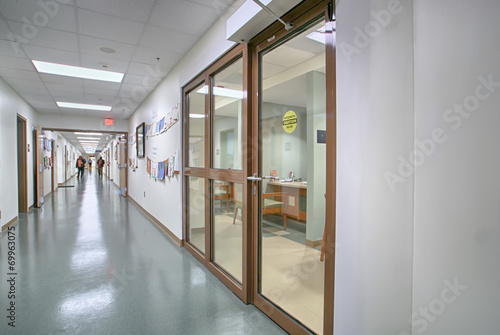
(227, 233)
(196, 127)
(196, 212)
(227, 104)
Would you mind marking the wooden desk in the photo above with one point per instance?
(294, 190)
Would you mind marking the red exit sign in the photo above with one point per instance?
(108, 122)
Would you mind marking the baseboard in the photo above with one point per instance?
(313, 244)
(8, 224)
(157, 222)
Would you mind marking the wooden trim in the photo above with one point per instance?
(331, 179)
(24, 192)
(10, 223)
(157, 222)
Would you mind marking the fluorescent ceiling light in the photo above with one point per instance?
(197, 116)
(96, 134)
(317, 36)
(223, 92)
(89, 138)
(78, 72)
(83, 106)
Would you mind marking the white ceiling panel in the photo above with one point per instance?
(12, 49)
(7, 72)
(287, 56)
(134, 79)
(16, 63)
(126, 35)
(50, 14)
(52, 55)
(178, 42)
(149, 56)
(180, 15)
(29, 86)
(47, 105)
(73, 96)
(91, 46)
(67, 83)
(49, 38)
(109, 27)
(128, 9)
(148, 70)
(95, 62)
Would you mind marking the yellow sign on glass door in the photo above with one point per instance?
(289, 122)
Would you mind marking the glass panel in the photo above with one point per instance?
(228, 227)
(196, 127)
(292, 206)
(196, 212)
(227, 107)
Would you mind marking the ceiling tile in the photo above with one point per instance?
(149, 56)
(49, 14)
(73, 96)
(16, 63)
(133, 79)
(109, 27)
(177, 42)
(91, 46)
(95, 62)
(49, 38)
(127, 9)
(52, 55)
(13, 49)
(62, 81)
(183, 16)
(21, 85)
(6, 72)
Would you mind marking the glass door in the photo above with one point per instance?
(215, 168)
(291, 178)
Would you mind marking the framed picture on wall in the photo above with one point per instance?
(141, 140)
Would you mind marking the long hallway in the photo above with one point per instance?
(90, 262)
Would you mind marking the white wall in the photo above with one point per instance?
(163, 199)
(373, 294)
(457, 186)
(12, 104)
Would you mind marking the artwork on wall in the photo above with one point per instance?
(141, 140)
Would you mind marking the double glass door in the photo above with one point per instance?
(216, 223)
(255, 171)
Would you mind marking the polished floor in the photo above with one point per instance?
(89, 262)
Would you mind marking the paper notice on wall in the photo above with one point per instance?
(155, 150)
(154, 113)
(176, 161)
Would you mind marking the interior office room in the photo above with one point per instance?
(271, 167)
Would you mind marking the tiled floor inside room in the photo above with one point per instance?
(89, 262)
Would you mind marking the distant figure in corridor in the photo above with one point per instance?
(80, 164)
(90, 164)
(100, 165)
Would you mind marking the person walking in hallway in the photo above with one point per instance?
(80, 164)
(90, 165)
(100, 165)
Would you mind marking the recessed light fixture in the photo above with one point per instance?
(77, 72)
(83, 133)
(107, 50)
(89, 138)
(223, 92)
(83, 106)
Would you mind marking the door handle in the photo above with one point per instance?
(255, 178)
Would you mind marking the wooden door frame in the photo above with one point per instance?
(23, 159)
(243, 290)
(273, 35)
(52, 170)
